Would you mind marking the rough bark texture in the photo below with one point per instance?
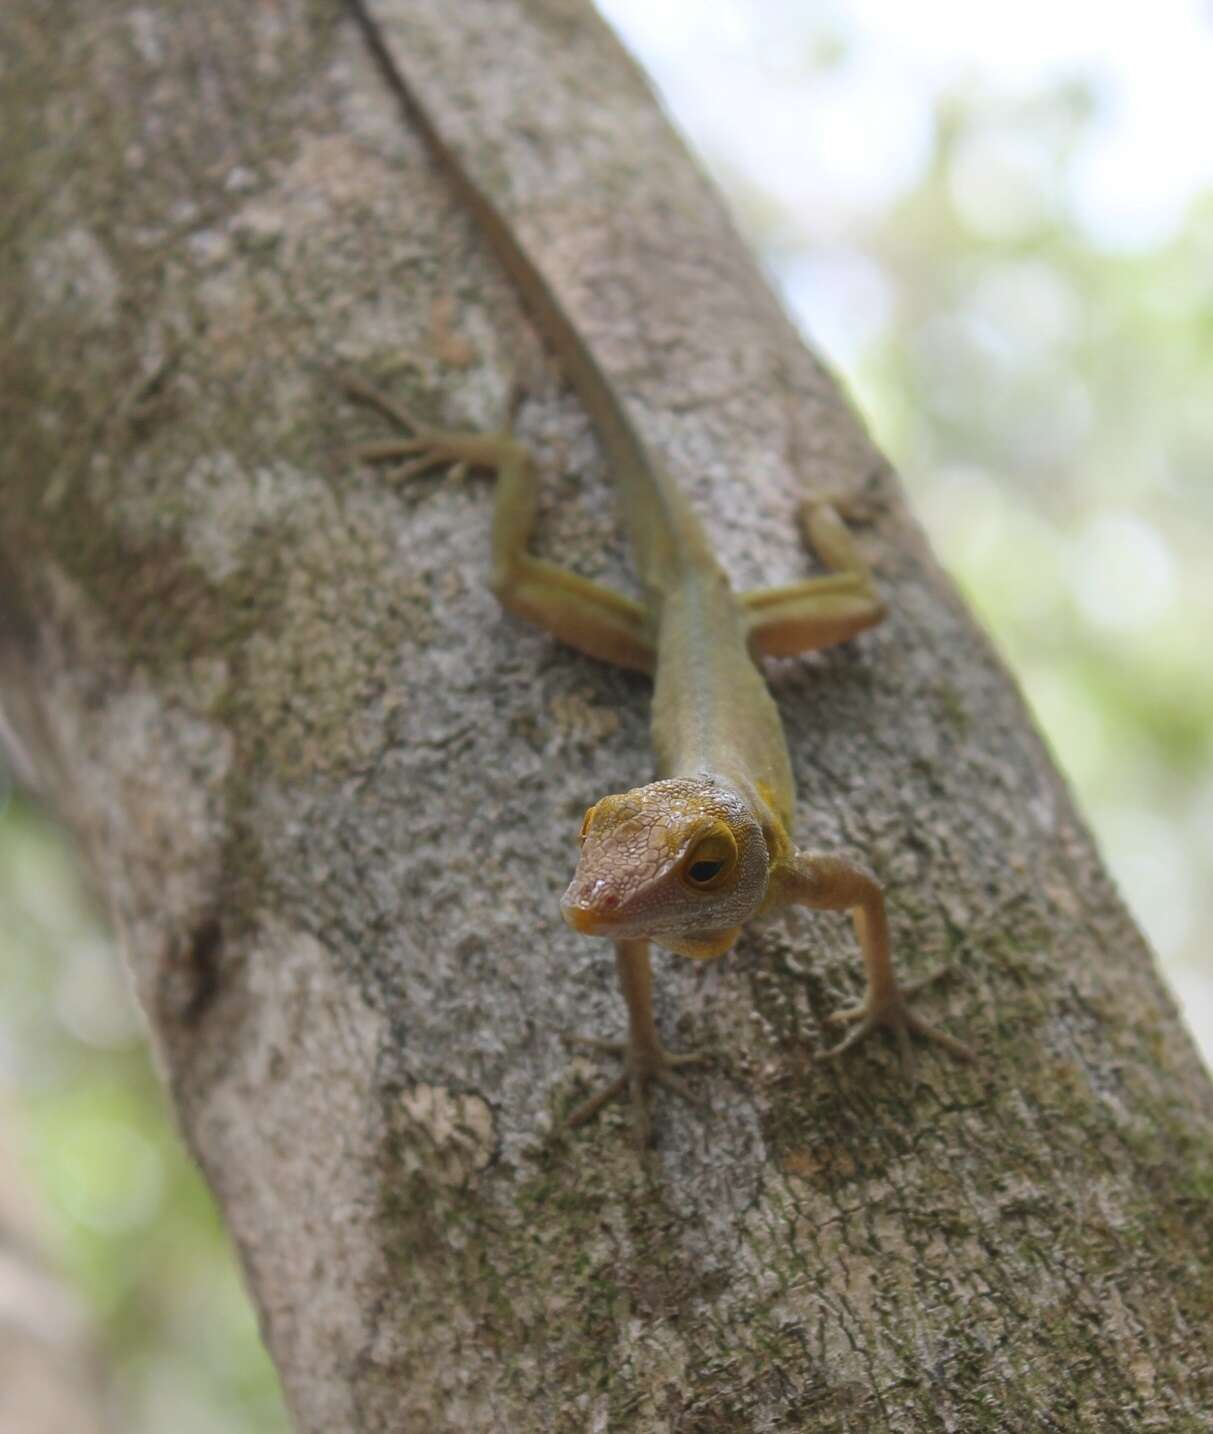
(331, 791)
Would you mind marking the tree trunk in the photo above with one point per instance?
(331, 791)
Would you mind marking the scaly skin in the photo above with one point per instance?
(686, 860)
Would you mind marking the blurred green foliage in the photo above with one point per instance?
(134, 1228)
(1048, 403)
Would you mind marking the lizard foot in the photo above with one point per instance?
(893, 1013)
(421, 446)
(643, 1066)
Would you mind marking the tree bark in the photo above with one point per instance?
(331, 792)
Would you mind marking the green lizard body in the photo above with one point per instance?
(686, 860)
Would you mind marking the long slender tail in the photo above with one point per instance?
(664, 531)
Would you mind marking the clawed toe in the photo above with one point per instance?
(391, 408)
(846, 1016)
(685, 1058)
(865, 1028)
(424, 446)
(588, 1109)
(893, 1013)
(644, 1067)
(678, 1086)
(593, 1043)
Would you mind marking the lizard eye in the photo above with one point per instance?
(710, 861)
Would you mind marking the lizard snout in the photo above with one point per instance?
(589, 912)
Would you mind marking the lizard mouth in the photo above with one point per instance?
(585, 919)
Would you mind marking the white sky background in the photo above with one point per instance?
(826, 106)
(860, 133)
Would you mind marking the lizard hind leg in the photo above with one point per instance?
(822, 611)
(584, 614)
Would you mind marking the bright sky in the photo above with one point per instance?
(739, 76)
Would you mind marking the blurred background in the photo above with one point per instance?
(997, 224)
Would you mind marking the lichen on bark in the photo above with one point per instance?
(331, 792)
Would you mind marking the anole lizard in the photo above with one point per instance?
(688, 859)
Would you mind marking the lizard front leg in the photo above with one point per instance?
(645, 1059)
(830, 883)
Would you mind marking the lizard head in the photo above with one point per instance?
(681, 862)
